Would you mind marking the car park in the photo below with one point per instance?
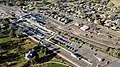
(61, 39)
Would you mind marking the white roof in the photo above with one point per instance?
(84, 27)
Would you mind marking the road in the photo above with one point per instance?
(96, 41)
(86, 39)
(103, 40)
(65, 54)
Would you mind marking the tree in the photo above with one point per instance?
(111, 51)
(44, 2)
(108, 49)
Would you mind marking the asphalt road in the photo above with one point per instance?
(96, 41)
(86, 39)
(65, 54)
(101, 40)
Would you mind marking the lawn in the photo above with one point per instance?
(55, 65)
(29, 44)
(52, 65)
(21, 47)
(3, 40)
(56, 60)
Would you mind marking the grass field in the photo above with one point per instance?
(3, 40)
(29, 44)
(55, 65)
(25, 46)
(52, 65)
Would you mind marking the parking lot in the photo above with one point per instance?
(33, 28)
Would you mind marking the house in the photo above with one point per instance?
(68, 20)
(90, 12)
(85, 27)
(107, 22)
(62, 20)
(114, 26)
(116, 17)
(30, 54)
(96, 21)
(76, 24)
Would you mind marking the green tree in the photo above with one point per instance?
(111, 51)
(44, 2)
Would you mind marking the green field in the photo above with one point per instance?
(52, 65)
(55, 65)
(3, 40)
